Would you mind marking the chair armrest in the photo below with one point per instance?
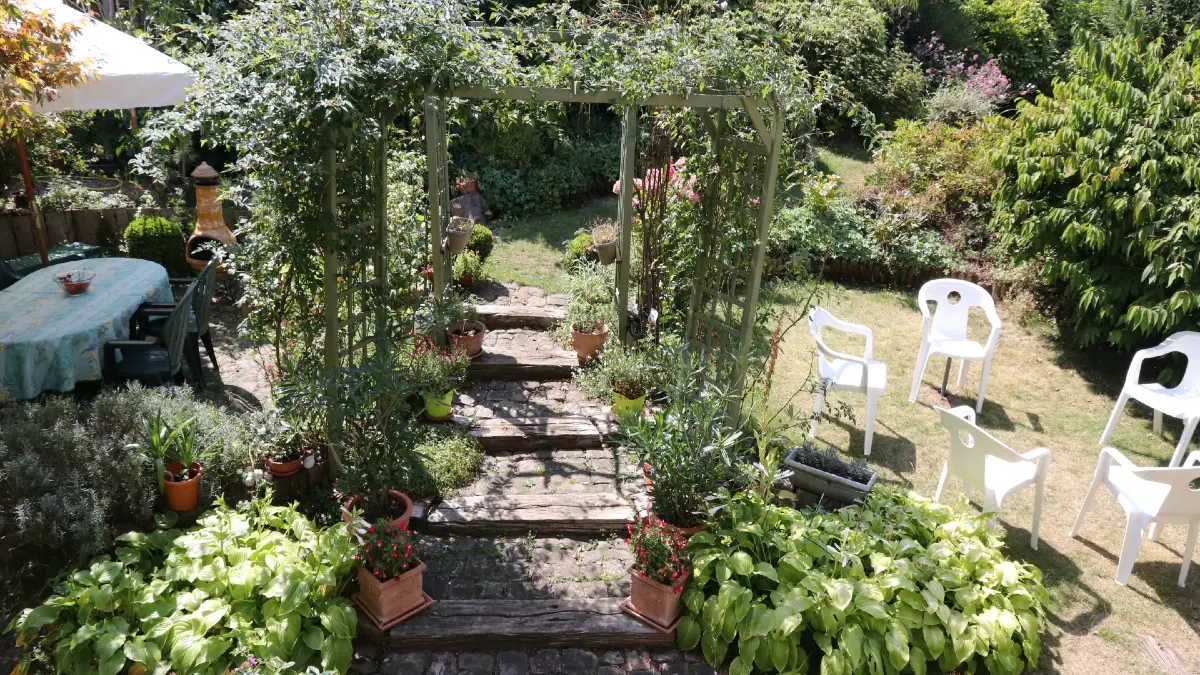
(1107, 457)
(154, 309)
(181, 281)
(964, 412)
(858, 329)
(994, 319)
(1041, 456)
(111, 347)
(1192, 459)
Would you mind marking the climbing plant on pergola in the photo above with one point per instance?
(725, 287)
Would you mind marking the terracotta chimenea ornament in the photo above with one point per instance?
(210, 222)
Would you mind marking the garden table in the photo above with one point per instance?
(50, 340)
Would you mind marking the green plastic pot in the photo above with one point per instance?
(627, 406)
(439, 407)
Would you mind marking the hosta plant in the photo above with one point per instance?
(257, 581)
(899, 584)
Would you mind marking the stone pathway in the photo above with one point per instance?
(514, 294)
(526, 399)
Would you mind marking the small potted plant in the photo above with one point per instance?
(589, 328)
(177, 460)
(468, 269)
(284, 461)
(660, 568)
(631, 375)
(823, 476)
(390, 574)
(467, 183)
(467, 336)
(604, 241)
(438, 372)
(458, 232)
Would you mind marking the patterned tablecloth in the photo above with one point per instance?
(50, 340)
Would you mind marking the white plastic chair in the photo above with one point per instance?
(985, 464)
(1182, 401)
(945, 333)
(845, 372)
(1151, 496)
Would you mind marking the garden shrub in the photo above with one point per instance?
(65, 196)
(157, 239)
(257, 581)
(900, 583)
(811, 232)
(448, 458)
(1018, 33)
(1099, 185)
(621, 366)
(481, 241)
(69, 476)
(468, 269)
(579, 249)
(958, 104)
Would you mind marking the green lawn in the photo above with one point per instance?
(528, 250)
(1039, 395)
(850, 161)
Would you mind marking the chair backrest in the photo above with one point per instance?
(206, 283)
(1173, 486)
(1187, 343)
(969, 447)
(174, 333)
(7, 276)
(950, 318)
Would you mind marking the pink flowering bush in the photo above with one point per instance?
(659, 553)
(983, 78)
(680, 189)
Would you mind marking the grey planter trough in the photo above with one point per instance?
(824, 485)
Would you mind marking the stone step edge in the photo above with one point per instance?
(485, 624)
(508, 317)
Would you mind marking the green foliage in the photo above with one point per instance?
(1018, 33)
(579, 250)
(1100, 186)
(481, 241)
(692, 452)
(592, 289)
(158, 239)
(447, 458)
(258, 579)
(65, 196)
(628, 371)
(468, 269)
(900, 584)
(957, 103)
(563, 175)
(72, 473)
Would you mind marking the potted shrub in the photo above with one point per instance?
(458, 231)
(481, 241)
(604, 241)
(467, 337)
(284, 461)
(468, 269)
(660, 568)
(437, 373)
(623, 373)
(390, 574)
(588, 334)
(825, 476)
(387, 506)
(177, 460)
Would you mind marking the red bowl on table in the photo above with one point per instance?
(75, 282)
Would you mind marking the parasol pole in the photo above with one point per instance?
(39, 233)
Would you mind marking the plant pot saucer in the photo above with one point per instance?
(426, 601)
(627, 607)
(285, 474)
(477, 355)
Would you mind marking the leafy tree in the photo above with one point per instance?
(35, 59)
(1100, 184)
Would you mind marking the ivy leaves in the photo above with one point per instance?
(1100, 186)
(899, 584)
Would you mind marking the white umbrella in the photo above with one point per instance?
(122, 72)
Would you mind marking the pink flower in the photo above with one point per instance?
(692, 195)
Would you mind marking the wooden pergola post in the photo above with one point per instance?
(332, 308)
(625, 215)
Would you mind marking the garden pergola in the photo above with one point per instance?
(724, 298)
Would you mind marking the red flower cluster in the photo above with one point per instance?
(388, 551)
(660, 553)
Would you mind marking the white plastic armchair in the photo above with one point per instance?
(846, 372)
(1151, 496)
(944, 333)
(985, 464)
(1182, 401)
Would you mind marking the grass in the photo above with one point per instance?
(849, 160)
(1040, 394)
(528, 250)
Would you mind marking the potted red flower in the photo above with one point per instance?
(660, 568)
(390, 574)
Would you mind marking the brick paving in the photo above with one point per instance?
(371, 660)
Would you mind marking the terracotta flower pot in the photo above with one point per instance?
(588, 345)
(439, 408)
(283, 468)
(456, 240)
(389, 599)
(685, 531)
(657, 602)
(183, 495)
(471, 345)
(397, 496)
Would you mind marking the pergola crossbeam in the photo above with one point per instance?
(576, 95)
